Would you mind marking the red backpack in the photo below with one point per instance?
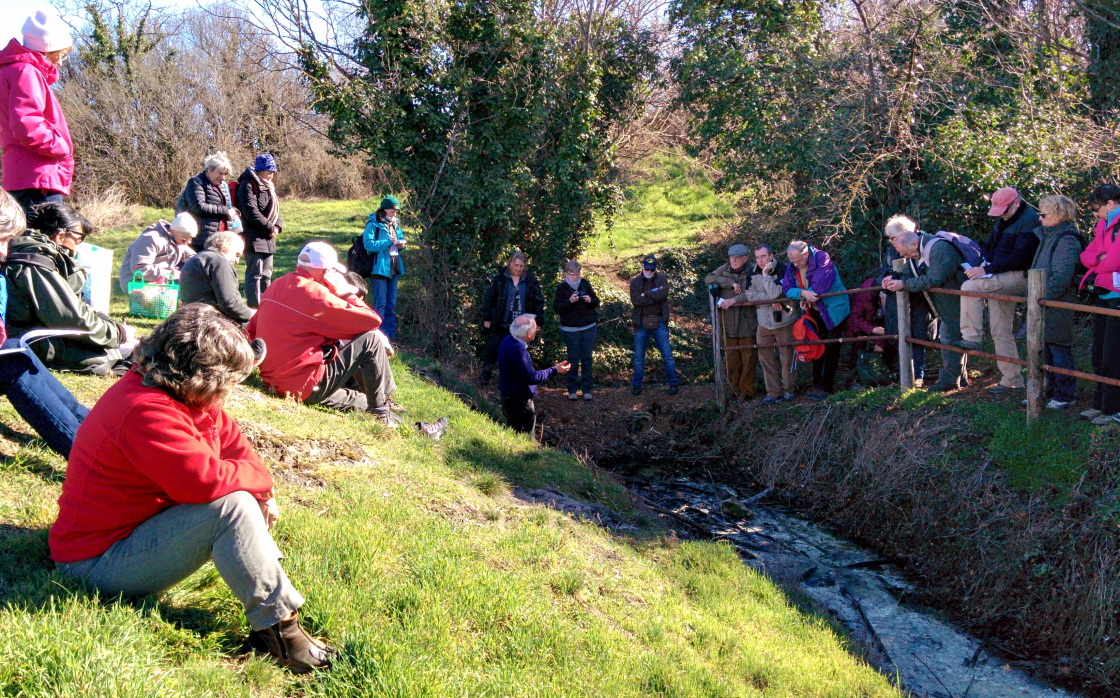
(805, 330)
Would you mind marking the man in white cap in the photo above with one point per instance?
(1008, 254)
(38, 155)
(322, 338)
(160, 251)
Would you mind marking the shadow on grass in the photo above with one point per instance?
(30, 582)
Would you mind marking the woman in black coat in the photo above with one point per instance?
(512, 292)
(206, 197)
(258, 203)
(575, 302)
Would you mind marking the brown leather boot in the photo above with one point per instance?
(290, 645)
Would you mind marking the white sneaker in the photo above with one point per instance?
(1105, 419)
(1091, 414)
(588, 397)
(572, 396)
(1057, 404)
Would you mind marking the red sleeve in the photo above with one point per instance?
(339, 318)
(165, 446)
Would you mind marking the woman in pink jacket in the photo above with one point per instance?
(38, 155)
(1102, 258)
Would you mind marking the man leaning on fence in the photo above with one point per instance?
(775, 326)
(1008, 252)
(935, 263)
(740, 321)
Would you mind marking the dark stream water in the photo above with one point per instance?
(860, 591)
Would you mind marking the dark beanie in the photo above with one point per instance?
(390, 202)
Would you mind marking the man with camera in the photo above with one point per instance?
(740, 321)
(775, 325)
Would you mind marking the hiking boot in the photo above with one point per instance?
(1057, 404)
(394, 407)
(1091, 413)
(433, 430)
(290, 645)
(385, 416)
(673, 390)
(787, 396)
(588, 397)
(636, 390)
(965, 344)
(817, 394)
(940, 387)
(572, 396)
(1001, 389)
(768, 400)
(1105, 419)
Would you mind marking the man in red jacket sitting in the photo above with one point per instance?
(161, 480)
(321, 337)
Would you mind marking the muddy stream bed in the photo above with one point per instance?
(859, 590)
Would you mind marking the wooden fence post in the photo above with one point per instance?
(905, 351)
(717, 355)
(1036, 326)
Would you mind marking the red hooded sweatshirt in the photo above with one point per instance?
(38, 152)
(141, 451)
(296, 318)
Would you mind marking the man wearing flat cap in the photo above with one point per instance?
(740, 321)
(1009, 253)
(649, 293)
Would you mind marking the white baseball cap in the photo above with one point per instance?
(44, 31)
(319, 255)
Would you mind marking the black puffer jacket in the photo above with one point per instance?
(580, 314)
(253, 200)
(205, 201)
(497, 297)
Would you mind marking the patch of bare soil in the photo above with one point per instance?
(295, 461)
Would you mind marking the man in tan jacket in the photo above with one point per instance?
(740, 322)
(775, 326)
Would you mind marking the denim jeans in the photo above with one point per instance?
(40, 399)
(580, 346)
(258, 275)
(1059, 387)
(170, 546)
(661, 339)
(383, 297)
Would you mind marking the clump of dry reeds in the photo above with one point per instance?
(107, 209)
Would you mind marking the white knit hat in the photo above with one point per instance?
(186, 224)
(44, 31)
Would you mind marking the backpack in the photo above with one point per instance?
(968, 248)
(805, 330)
(359, 260)
(872, 370)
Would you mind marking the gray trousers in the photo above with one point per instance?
(170, 546)
(258, 275)
(365, 360)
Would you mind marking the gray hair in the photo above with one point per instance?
(907, 239)
(798, 246)
(1060, 206)
(898, 224)
(197, 356)
(218, 162)
(522, 325)
(572, 267)
(223, 241)
(12, 219)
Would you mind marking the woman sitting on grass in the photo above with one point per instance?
(36, 394)
(161, 480)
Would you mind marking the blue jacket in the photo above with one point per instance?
(376, 241)
(823, 278)
(517, 378)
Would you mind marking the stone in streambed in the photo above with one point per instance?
(735, 509)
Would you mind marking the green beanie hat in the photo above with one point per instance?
(390, 202)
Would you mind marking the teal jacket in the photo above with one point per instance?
(377, 243)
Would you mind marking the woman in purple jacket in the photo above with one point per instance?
(810, 274)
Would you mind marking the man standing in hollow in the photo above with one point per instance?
(775, 326)
(740, 321)
(649, 293)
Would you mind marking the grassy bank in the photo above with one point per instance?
(420, 562)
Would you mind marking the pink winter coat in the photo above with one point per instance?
(1104, 242)
(34, 138)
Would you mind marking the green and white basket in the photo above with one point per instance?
(151, 300)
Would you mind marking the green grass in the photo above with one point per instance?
(419, 563)
(670, 206)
